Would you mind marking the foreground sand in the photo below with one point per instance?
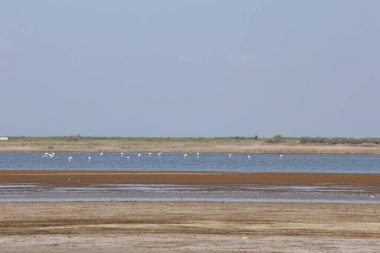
(188, 227)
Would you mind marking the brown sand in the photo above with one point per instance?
(188, 227)
(85, 177)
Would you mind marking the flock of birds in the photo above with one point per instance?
(70, 158)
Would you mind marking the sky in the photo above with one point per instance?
(199, 68)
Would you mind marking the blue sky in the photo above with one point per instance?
(190, 68)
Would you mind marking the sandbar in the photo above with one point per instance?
(85, 177)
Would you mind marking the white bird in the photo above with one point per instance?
(128, 158)
(101, 154)
(70, 158)
(229, 156)
(372, 196)
(138, 155)
(249, 157)
(149, 154)
(281, 156)
(121, 154)
(51, 155)
(197, 155)
(159, 154)
(89, 159)
(45, 155)
(185, 155)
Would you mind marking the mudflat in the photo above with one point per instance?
(83, 177)
(135, 226)
(188, 227)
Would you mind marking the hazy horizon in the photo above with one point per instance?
(183, 137)
(190, 68)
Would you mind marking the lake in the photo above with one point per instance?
(205, 162)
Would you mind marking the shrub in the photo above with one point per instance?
(72, 138)
(334, 141)
(276, 139)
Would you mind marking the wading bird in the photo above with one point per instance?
(159, 154)
(197, 155)
(70, 158)
(89, 159)
(185, 155)
(249, 157)
(101, 154)
(229, 156)
(121, 154)
(138, 155)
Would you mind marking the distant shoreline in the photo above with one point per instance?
(182, 145)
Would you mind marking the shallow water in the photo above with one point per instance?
(206, 162)
(164, 192)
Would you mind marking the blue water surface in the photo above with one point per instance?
(205, 162)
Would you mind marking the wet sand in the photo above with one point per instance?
(86, 177)
(188, 227)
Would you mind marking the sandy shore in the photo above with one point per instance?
(188, 227)
(184, 146)
(85, 177)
